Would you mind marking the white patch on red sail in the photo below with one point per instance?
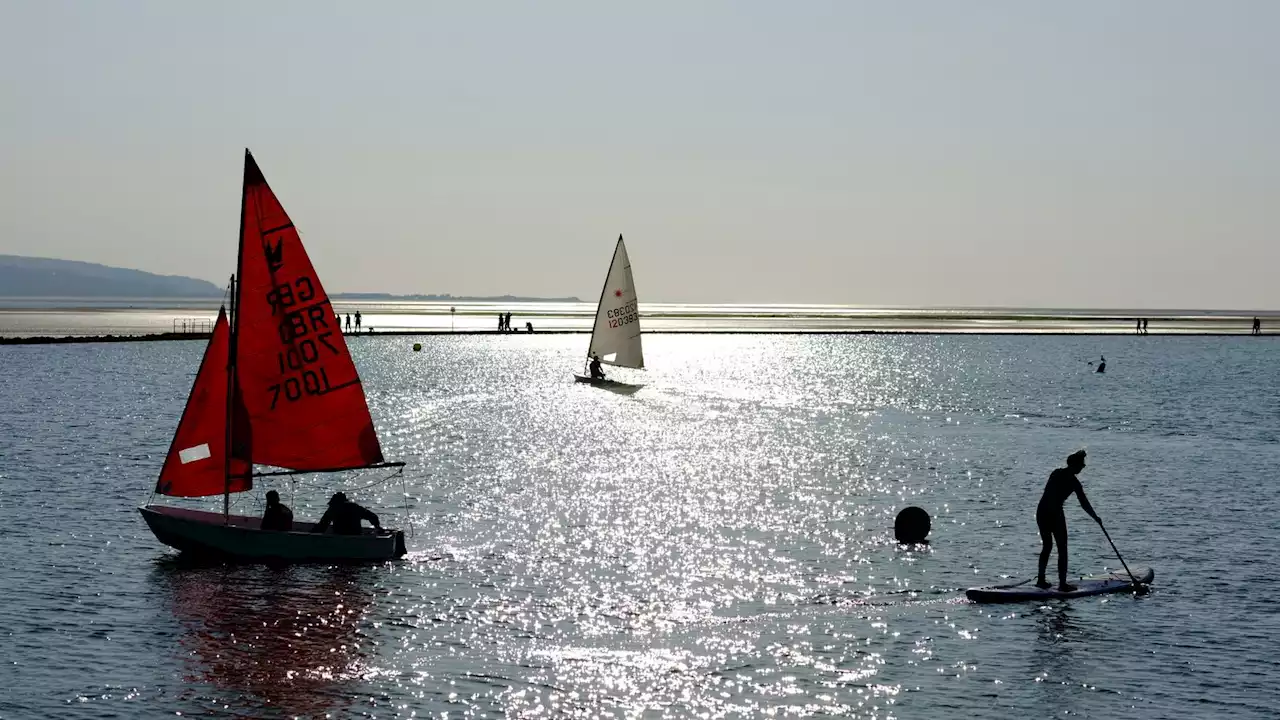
(193, 454)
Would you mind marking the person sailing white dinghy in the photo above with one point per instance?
(593, 367)
(615, 337)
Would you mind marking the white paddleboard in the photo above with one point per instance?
(1117, 581)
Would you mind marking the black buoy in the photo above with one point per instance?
(911, 525)
(417, 347)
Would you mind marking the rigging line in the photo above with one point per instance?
(295, 479)
(404, 491)
(376, 483)
(595, 317)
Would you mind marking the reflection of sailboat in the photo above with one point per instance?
(288, 640)
(615, 338)
(277, 387)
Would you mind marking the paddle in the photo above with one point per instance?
(1137, 586)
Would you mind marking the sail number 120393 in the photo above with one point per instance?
(624, 315)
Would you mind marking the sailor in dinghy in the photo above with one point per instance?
(345, 517)
(593, 367)
(277, 516)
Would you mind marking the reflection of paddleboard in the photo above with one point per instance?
(1117, 581)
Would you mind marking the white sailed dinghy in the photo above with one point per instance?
(615, 339)
(277, 387)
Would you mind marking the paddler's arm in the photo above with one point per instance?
(1084, 503)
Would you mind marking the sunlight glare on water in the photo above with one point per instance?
(715, 543)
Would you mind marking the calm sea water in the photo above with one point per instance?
(716, 544)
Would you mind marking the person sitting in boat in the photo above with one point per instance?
(277, 516)
(596, 372)
(345, 516)
(1053, 522)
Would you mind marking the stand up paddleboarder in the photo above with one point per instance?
(1053, 521)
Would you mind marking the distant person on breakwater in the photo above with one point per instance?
(508, 322)
(357, 321)
(1052, 521)
(277, 516)
(528, 326)
(348, 322)
(1144, 326)
(1138, 330)
(1257, 326)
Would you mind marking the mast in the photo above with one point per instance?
(231, 394)
(605, 288)
(233, 321)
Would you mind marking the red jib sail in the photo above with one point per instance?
(196, 463)
(306, 408)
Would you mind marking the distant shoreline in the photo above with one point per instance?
(46, 325)
(426, 304)
(75, 303)
(170, 336)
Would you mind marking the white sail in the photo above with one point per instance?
(616, 338)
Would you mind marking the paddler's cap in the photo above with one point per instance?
(1076, 457)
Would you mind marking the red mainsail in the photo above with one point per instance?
(196, 463)
(306, 408)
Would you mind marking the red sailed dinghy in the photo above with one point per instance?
(277, 386)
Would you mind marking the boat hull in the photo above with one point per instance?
(239, 538)
(601, 382)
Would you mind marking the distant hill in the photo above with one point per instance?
(28, 277)
(46, 277)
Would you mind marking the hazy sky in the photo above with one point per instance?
(938, 153)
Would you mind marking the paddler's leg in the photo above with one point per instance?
(1060, 534)
(1046, 537)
